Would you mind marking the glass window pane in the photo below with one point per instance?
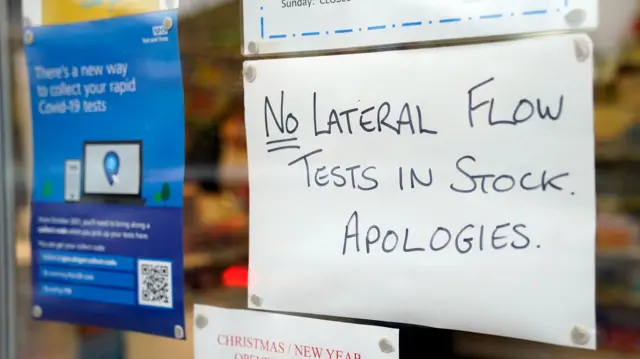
(216, 193)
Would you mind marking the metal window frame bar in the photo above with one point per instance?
(8, 293)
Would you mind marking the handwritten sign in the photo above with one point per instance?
(449, 187)
(241, 334)
(276, 26)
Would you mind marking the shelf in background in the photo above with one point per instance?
(618, 155)
(482, 346)
(628, 254)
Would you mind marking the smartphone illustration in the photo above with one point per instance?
(72, 181)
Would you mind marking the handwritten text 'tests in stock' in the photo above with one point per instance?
(408, 119)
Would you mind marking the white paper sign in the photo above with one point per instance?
(616, 27)
(450, 187)
(242, 334)
(277, 26)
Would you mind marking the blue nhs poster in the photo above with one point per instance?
(108, 129)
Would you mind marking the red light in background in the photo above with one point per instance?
(235, 276)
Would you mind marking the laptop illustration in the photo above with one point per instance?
(112, 172)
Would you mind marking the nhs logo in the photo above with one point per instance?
(159, 30)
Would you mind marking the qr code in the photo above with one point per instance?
(155, 283)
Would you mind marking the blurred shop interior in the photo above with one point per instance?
(216, 195)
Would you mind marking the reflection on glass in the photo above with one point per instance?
(216, 194)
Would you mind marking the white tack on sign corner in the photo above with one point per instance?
(244, 334)
(457, 195)
(282, 26)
